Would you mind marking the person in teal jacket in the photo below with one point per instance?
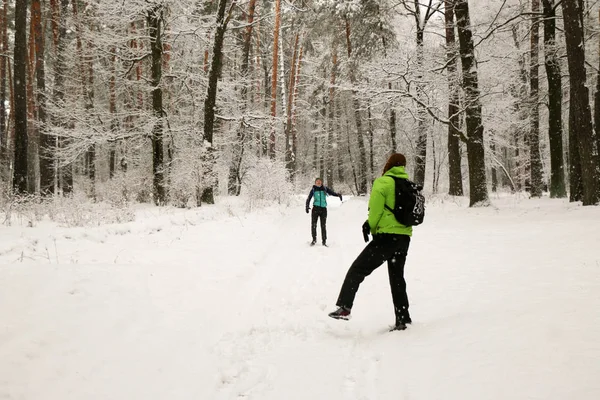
(319, 211)
(390, 243)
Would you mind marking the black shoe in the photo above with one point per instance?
(324, 243)
(313, 242)
(341, 313)
(400, 326)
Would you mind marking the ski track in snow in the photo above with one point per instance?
(504, 301)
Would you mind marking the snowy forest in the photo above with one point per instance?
(176, 102)
(159, 160)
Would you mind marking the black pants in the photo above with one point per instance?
(384, 247)
(319, 212)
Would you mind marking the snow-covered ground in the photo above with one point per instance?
(217, 303)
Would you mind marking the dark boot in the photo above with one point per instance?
(341, 313)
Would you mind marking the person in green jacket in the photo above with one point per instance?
(390, 243)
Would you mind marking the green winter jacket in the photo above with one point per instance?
(381, 220)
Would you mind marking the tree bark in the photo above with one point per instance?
(46, 141)
(274, 78)
(421, 148)
(580, 102)
(33, 163)
(290, 157)
(112, 108)
(534, 85)
(475, 147)
(454, 159)
(553, 73)
(211, 99)
(331, 117)
(20, 94)
(65, 174)
(362, 154)
(392, 123)
(3, 73)
(235, 182)
(155, 20)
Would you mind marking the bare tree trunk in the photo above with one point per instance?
(522, 110)
(3, 62)
(534, 133)
(65, 174)
(112, 108)
(33, 162)
(475, 146)
(371, 133)
(155, 21)
(294, 113)
(235, 181)
(580, 102)
(289, 155)
(421, 148)
(553, 73)
(392, 122)
(362, 154)
(211, 98)
(274, 78)
(454, 158)
(597, 104)
(20, 94)
(331, 119)
(46, 141)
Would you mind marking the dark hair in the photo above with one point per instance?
(395, 160)
(319, 179)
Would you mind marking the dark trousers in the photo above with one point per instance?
(384, 247)
(319, 213)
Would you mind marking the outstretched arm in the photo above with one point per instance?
(331, 192)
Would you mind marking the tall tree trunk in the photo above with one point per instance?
(331, 119)
(475, 147)
(454, 159)
(20, 94)
(421, 148)
(3, 70)
(46, 141)
(65, 174)
(371, 134)
(289, 155)
(597, 103)
(112, 108)
(392, 123)
(234, 182)
(522, 99)
(211, 98)
(553, 73)
(580, 101)
(534, 84)
(155, 20)
(362, 154)
(33, 163)
(274, 78)
(294, 113)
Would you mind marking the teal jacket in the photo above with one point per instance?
(381, 220)
(320, 194)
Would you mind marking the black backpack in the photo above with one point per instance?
(409, 205)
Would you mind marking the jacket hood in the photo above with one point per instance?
(398, 172)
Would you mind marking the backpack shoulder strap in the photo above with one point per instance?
(396, 179)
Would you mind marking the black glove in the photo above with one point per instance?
(341, 198)
(307, 208)
(366, 229)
